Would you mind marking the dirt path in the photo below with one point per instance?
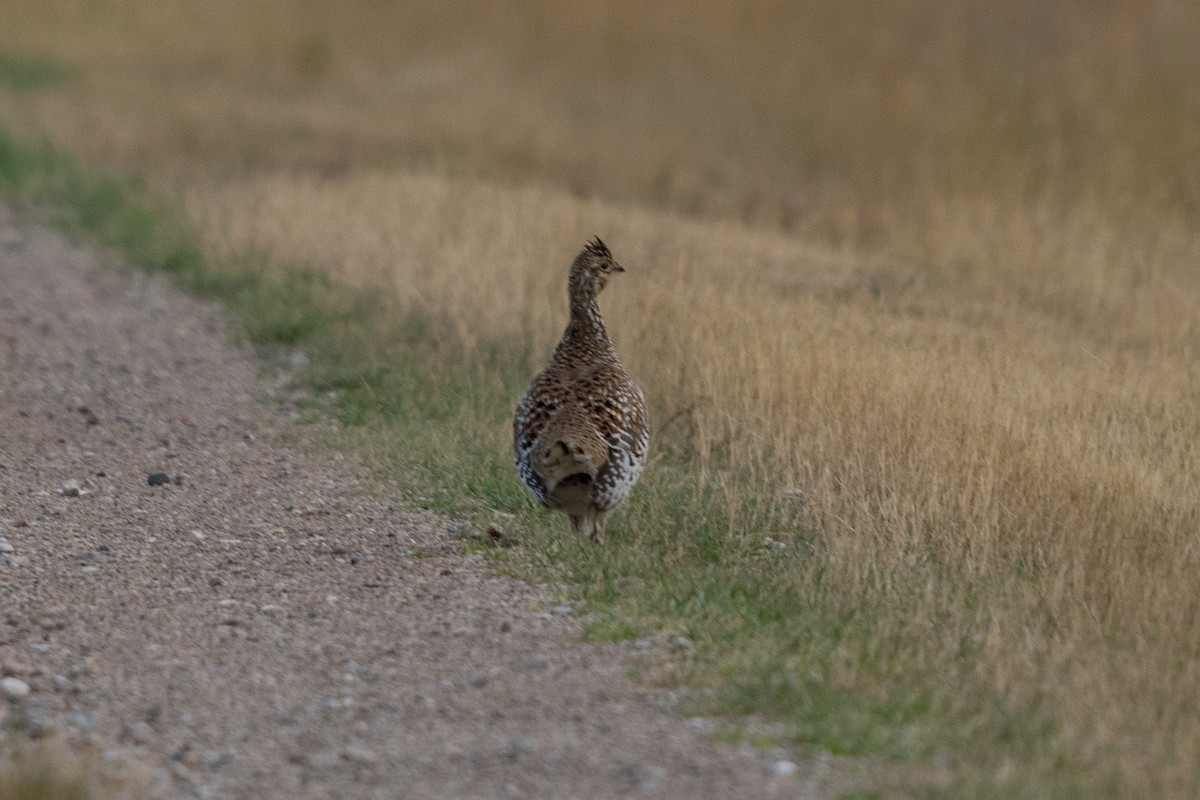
(257, 628)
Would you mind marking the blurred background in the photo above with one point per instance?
(824, 118)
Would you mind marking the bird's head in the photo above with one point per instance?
(592, 267)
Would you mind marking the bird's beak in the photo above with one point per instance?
(617, 267)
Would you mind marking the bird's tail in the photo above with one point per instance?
(567, 451)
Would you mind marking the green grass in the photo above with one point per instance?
(695, 553)
(25, 75)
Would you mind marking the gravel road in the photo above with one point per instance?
(257, 626)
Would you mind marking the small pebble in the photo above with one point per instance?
(784, 769)
(52, 622)
(14, 688)
(520, 747)
(5, 547)
(184, 778)
(158, 478)
(37, 726)
(13, 666)
(477, 678)
(139, 733)
(359, 755)
(563, 610)
(70, 488)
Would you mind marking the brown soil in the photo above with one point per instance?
(259, 626)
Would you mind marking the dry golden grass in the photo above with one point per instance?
(961, 330)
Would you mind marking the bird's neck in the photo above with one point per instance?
(585, 316)
(586, 325)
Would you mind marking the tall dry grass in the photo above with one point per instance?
(960, 328)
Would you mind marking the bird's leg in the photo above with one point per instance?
(576, 523)
(597, 534)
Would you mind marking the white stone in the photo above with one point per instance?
(14, 688)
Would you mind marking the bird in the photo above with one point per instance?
(580, 432)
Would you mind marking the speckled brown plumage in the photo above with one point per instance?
(580, 432)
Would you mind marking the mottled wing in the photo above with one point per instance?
(618, 410)
(534, 411)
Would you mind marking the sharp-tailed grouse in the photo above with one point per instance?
(580, 431)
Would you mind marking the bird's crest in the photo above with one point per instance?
(598, 248)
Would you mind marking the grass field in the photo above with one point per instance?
(914, 298)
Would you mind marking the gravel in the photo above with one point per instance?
(331, 671)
